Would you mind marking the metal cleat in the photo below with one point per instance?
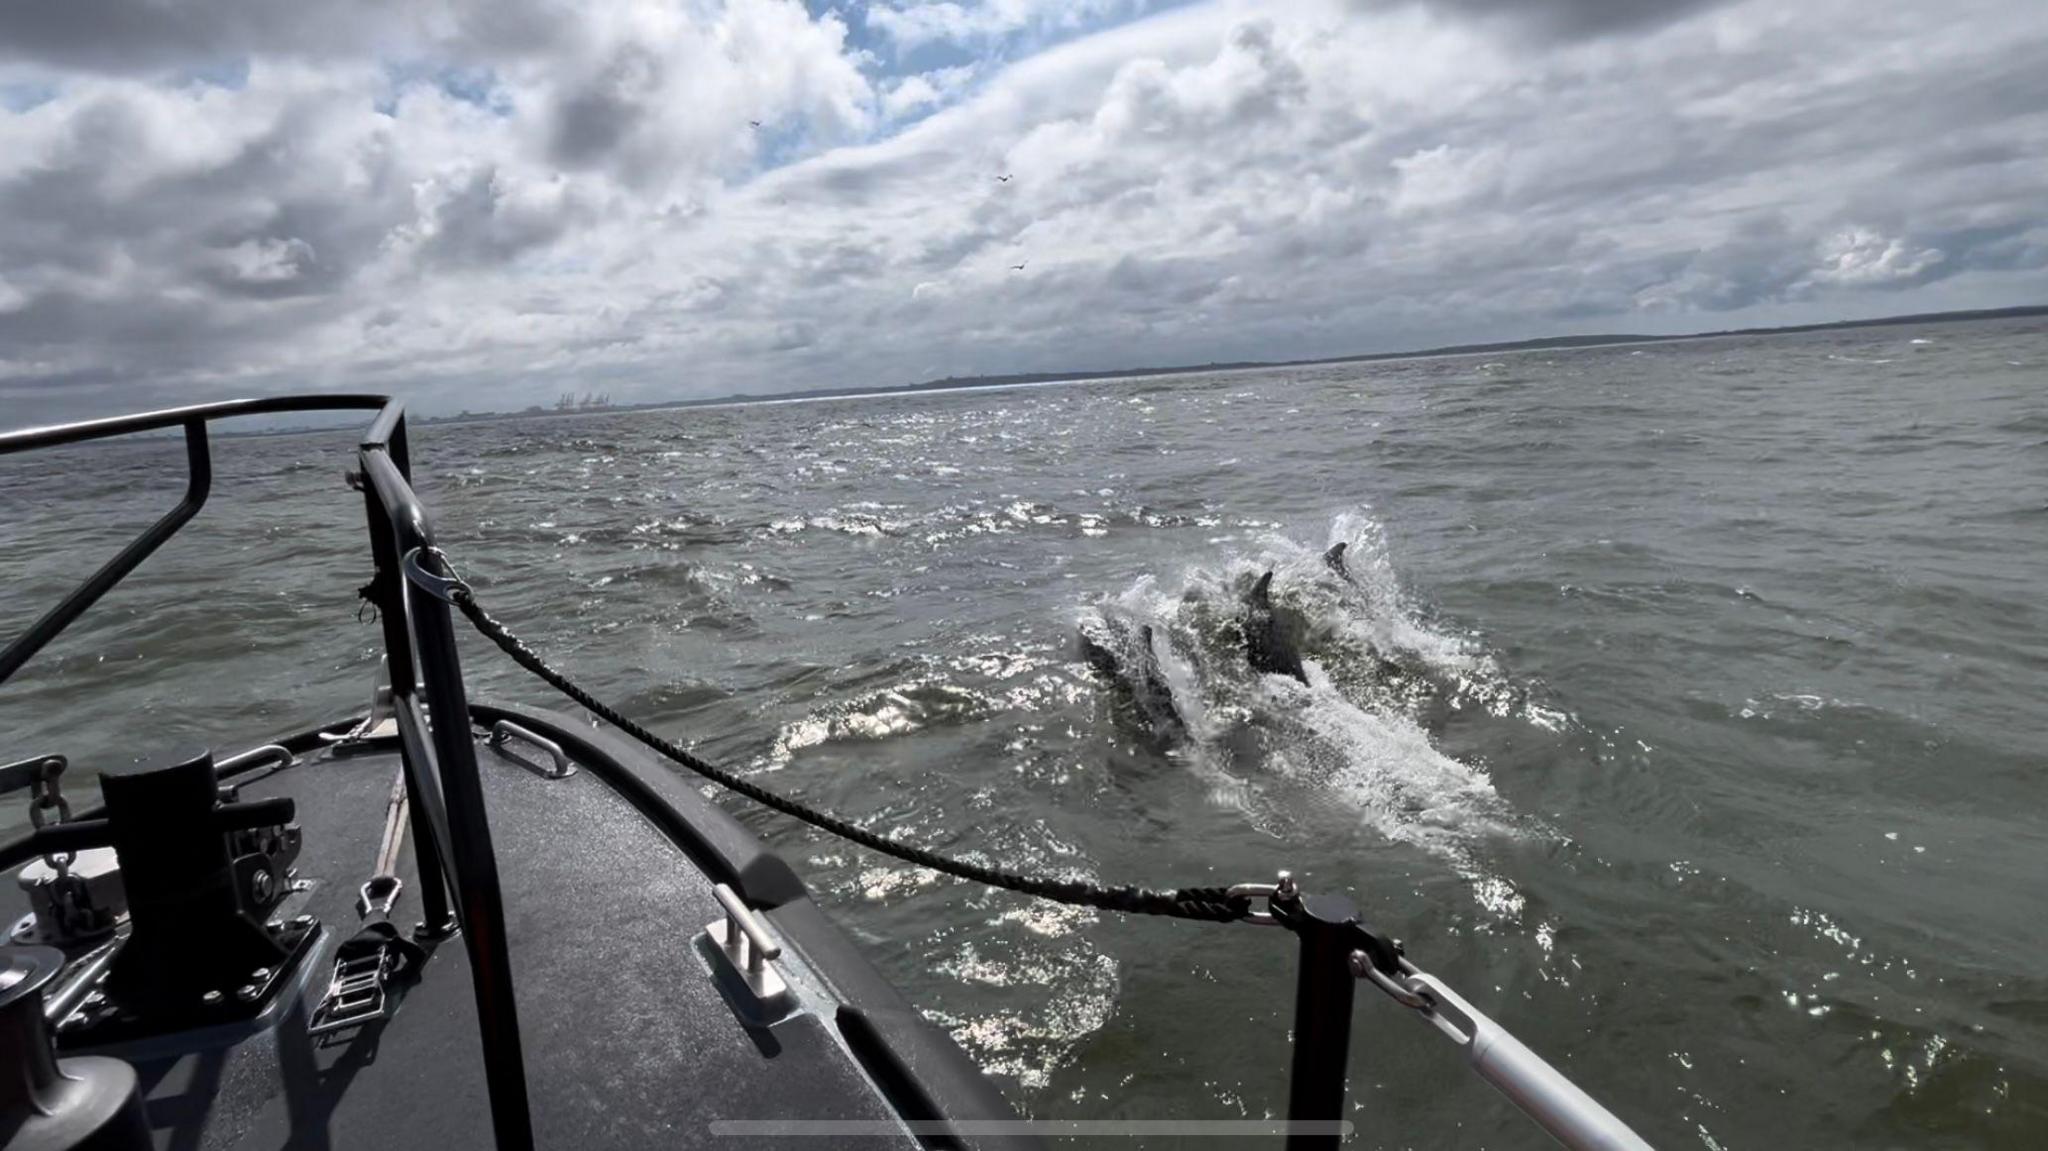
(743, 945)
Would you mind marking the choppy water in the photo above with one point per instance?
(1688, 707)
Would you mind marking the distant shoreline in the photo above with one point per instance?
(967, 383)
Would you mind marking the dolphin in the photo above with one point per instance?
(1110, 648)
(1096, 653)
(1266, 643)
(1334, 560)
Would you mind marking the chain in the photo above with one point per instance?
(1213, 904)
(46, 795)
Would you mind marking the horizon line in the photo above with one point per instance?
(947, 384)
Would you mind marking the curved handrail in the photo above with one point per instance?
(389, 416)
(194, 419)
(50, 435)
(392, 489)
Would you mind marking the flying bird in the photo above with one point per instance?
(753, 123)
(1018, 267)
(1004, 179)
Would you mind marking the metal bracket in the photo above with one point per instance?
(378, 722)
(505, 729)
(81, 901)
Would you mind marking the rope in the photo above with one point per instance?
(1214, 904)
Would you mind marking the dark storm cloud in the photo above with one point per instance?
(593, 118)
(105, 35)
(1569, 18)
(139, 36)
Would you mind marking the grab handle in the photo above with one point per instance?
(505, 729)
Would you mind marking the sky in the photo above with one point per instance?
(481, 204)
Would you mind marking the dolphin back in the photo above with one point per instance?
(1128, 657)
(1267, 646)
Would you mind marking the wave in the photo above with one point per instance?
(898, 710)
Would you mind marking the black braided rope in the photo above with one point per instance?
(1214, 904)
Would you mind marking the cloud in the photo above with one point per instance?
(919, 92)
(913, 24)
(1442, 177)
(487, 206)
(1859, 257)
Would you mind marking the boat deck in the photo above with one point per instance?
(630, 1038)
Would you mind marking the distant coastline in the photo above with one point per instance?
(959, 383)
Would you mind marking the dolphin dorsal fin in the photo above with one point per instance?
(1262, 591)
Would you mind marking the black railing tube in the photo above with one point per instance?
(385, 593)
(388, 594)
(427, 814)
(198, 482)
(1323, 994)
(26, 439)
(476, 870)
(437, 918)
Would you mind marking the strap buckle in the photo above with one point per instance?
(356, 994)
(365, 967)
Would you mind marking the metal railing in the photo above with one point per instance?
(444, 792)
